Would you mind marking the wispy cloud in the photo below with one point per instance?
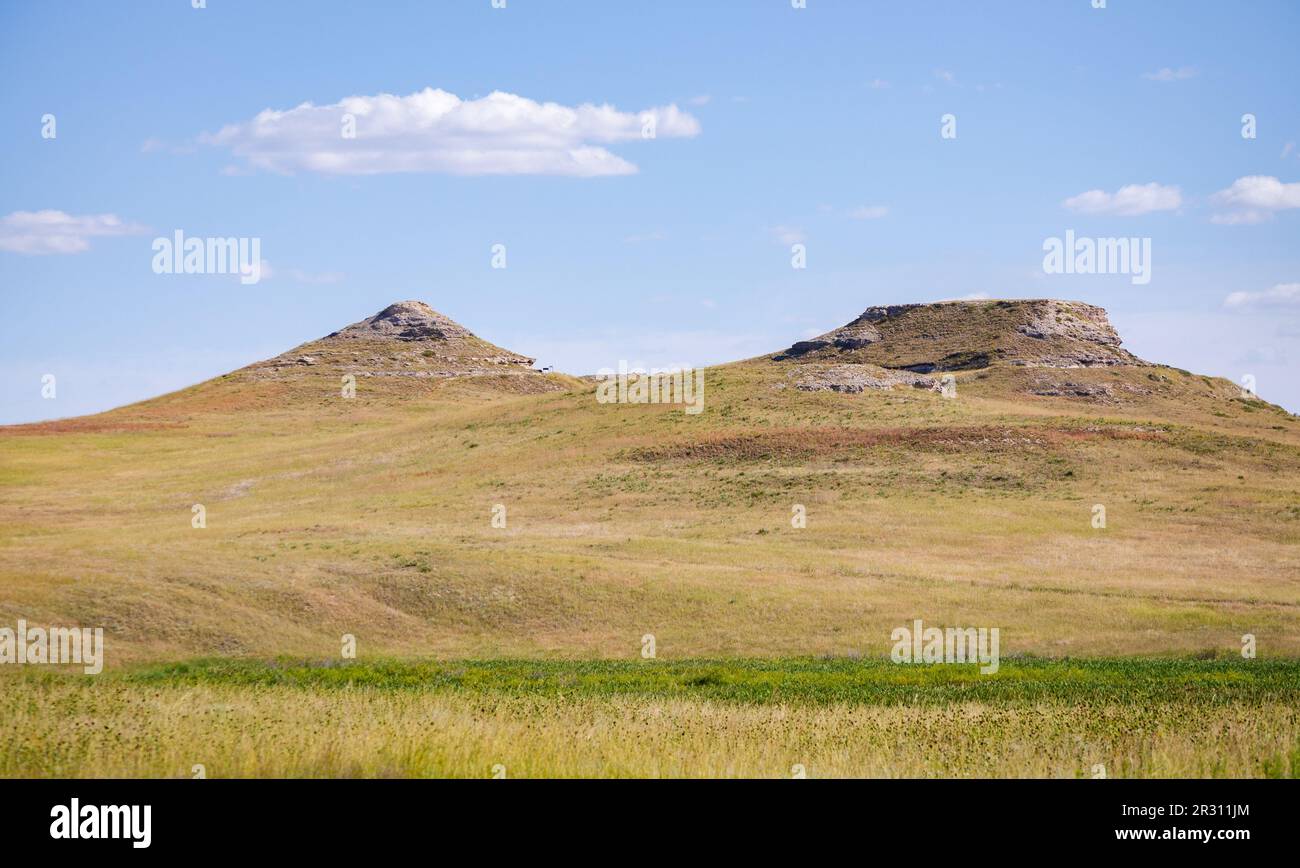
(787, 234)
(1169, 74)
(1129, 201)
(43, 232)
(1255, 199)
(702, 99)
(869, 212)
(1279, 295)
(436, 131)
(949, 78)
(657, 235)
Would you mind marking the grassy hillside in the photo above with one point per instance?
(372, 516)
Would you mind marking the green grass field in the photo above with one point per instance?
(697, 718)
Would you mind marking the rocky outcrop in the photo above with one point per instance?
(1069, 319)
(404, 321)
(857, 378)
(968, 335)
(406, 340)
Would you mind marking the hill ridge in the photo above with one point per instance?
(967, 335)
(405, 341)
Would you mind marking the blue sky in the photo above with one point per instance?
(819, 126)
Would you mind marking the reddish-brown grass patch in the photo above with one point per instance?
(803, 443)
(86, 425)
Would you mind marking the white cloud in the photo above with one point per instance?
(40, 232)
(1279, 295)
(702, 99)
(1167, 74)
(1254, 199)
(436, 131)
(869, 212)
(1129, 201)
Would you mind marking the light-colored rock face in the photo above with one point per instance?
(957, 336)
(406, 340)
(1069, 319)
(857, 378)
(405, 321)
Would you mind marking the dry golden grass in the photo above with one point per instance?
(372, 517)
(101, 729)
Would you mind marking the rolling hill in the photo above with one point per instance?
(500, 549)
(372, 515)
